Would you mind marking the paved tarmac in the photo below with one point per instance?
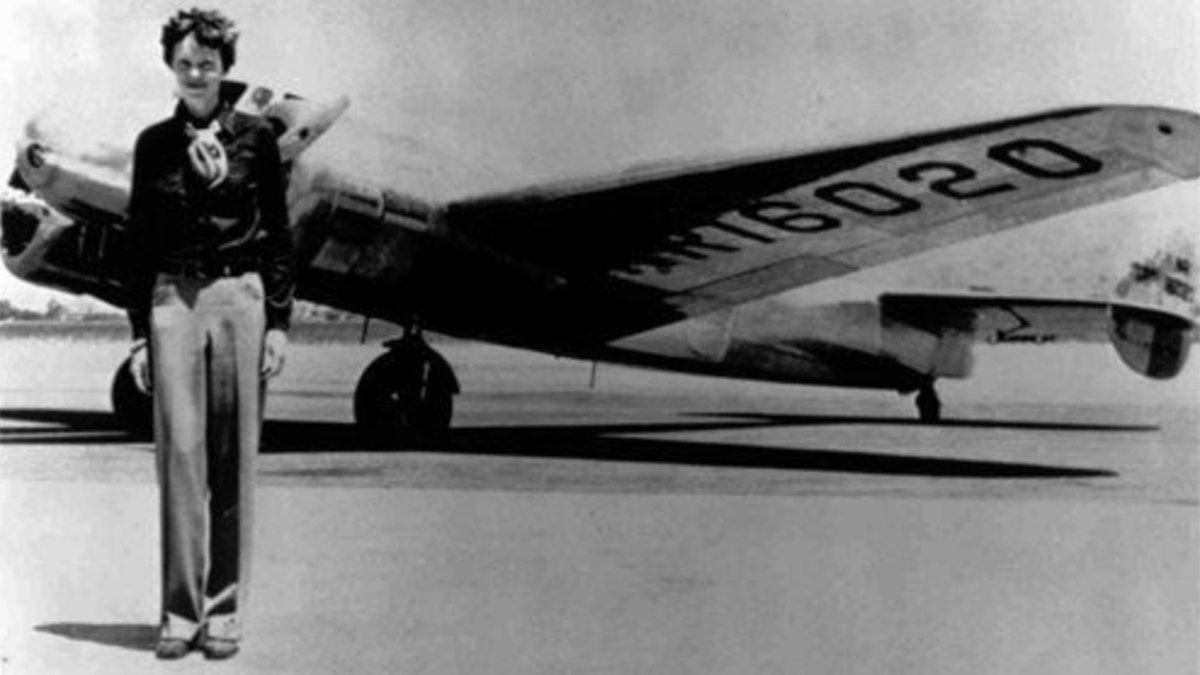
(651, 524)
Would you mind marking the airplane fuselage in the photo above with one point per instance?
(374, 250)
(382, 232)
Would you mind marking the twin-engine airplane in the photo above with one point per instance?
(698, 267)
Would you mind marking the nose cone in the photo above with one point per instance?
(305, 123)
(75, 168)
(32, 162)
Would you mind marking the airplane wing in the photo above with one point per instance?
(649, 247)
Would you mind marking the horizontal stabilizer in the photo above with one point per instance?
(1152, 340)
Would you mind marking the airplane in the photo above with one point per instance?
(693, 266)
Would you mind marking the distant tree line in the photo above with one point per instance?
(54, 311)
(311, 312)
(305, 312)
(10, 312)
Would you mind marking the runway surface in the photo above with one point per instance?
(652, 523)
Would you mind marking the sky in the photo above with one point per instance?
(553, 88)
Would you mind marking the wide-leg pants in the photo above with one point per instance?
(206, 352)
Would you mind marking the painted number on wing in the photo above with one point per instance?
(764, 221)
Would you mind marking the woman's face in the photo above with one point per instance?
(198, 72)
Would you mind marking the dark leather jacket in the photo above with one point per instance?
(174, 217)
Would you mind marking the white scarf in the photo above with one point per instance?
(207, 154)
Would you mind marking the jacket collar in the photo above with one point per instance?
(224, 116)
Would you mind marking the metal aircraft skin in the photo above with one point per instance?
(698, 267)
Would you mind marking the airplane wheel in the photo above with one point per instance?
(929, 407)
(405, 393)
(133, 409)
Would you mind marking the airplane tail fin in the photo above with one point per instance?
(1156, 343)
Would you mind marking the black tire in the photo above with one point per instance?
(405, 394)
(133, 409)
(929, 407)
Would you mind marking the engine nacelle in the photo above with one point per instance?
(1153, 344)
(44, 246)
(1156, 343)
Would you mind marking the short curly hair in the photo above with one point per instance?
(211, 28)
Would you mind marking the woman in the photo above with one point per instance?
(211, 293)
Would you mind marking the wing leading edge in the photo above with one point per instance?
(687, 241)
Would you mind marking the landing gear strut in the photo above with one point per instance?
(133, 409)
(929, 406)
(407, 392)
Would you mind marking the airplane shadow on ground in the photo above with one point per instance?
(616, 442)
(139, 637)
(828, 420)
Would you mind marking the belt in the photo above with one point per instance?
(210, 269)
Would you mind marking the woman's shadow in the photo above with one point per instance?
(139, 637)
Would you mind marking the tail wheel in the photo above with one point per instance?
(406, 393)
(929, 406)
(133, 409)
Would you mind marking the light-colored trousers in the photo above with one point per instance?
(206, 354)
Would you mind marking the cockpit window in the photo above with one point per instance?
(1180, 289)
(1143, 272)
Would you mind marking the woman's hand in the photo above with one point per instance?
(273, 349)
(139, 365)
